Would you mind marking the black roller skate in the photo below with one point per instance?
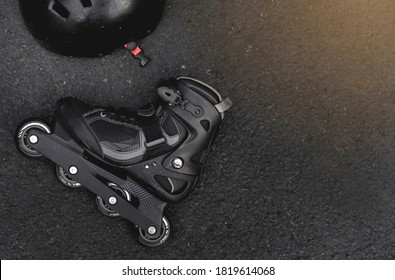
(135, 163)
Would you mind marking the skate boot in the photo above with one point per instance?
(135, 163)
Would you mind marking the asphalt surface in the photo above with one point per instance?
(303, 167)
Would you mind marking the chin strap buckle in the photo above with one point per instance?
(137, 52)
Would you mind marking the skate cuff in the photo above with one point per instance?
(224, 105)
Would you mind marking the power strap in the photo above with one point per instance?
(151, 127)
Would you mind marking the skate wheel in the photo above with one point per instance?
(104, 208)
(147, 240)
(22, 142)
(65, 179)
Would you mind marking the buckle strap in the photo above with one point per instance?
(151, 127)
(224, 105)
(173, 97)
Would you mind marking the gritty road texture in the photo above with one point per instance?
(304, 165)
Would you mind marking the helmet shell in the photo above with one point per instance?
(90, 27)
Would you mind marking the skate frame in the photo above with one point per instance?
(69, 155)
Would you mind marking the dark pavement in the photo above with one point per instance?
(304, 165)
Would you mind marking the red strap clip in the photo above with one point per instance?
(137, 52)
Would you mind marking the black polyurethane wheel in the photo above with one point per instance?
(65, 179)
(21, 140)
(104, 208)
(165, 234)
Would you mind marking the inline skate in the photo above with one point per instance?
(134, 162)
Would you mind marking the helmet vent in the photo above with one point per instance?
(86, 3)
(58, 9)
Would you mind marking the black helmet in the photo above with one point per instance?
(90, 27)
